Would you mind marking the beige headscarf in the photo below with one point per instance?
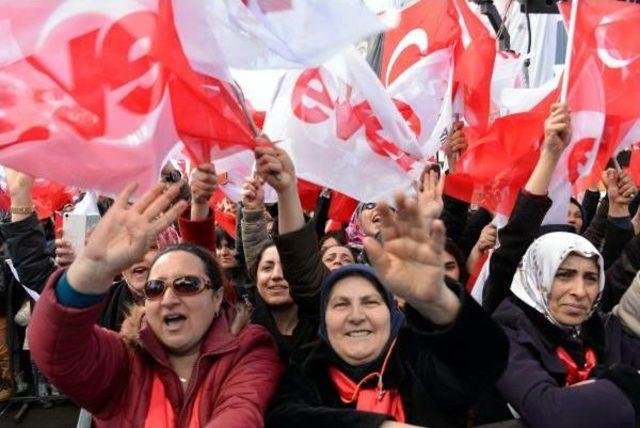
(628, 310)
(534, 277)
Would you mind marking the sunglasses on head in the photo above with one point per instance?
(183, 286)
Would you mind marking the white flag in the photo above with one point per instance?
(343, 131)
(269, 34)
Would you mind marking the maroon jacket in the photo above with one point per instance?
(111, 377)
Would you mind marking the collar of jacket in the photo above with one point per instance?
(535, 329)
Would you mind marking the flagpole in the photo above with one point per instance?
(243, 104)
(569, 52)
(254, 128)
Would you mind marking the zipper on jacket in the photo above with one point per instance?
(189, 393)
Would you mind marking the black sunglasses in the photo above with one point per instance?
(183, 286)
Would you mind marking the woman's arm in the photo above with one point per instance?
(249, 387)
(529, 211)
(296, 241)
(24, 237)
(197, 224)
(458, 362)
(85, 361)
(253, 225)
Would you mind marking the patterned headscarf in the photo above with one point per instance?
(354, 232)
(534, 278)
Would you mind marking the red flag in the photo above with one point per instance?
(602, 43)
(342, 207)
(309, 193)
(424, 28)
(474, 60)
(96, 95)
(227, 222)
(49, 197)
(498, 164)
(604, 38)
(634, 166)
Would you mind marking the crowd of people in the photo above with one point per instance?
(165, 319)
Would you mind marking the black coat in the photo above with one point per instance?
(120, 299)
(305, 331)
(26, 246)
(515, 238)
(534, 380)
(439, 372)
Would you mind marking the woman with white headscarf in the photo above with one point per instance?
(568, 366)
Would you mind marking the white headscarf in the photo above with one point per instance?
(534, 278)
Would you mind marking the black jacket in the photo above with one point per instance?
(26, 246)
(305, 331)
(621, 274)
(515, 238)
(534, 380)
(439, 372)
(120, 299)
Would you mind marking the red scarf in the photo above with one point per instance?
(575, 374)
(161, 414)
(376, 400)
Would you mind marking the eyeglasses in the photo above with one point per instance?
(183, 286)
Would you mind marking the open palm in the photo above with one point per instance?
(123, 236)
(410, 260)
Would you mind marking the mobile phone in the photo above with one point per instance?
(75, 228)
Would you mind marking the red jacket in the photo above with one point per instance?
(107, 375)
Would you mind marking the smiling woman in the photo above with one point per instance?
(374, 366)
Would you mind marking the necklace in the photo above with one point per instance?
(183, 380)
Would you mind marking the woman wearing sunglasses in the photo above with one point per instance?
(178, 366)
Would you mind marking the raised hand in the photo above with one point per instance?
(275, 166)
(410, 261)
(620, 191)
(253, 194)
(429, 192)
(456, 145)
(488, 238)
(557, 129)
(123, 236)
(202, 183)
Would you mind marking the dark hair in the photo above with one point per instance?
(222, 235)
(211, 266)
(104, 204)
(253, 269)
(338, 235)
(453, 249)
